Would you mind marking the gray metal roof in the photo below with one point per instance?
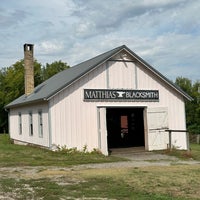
(63, 79)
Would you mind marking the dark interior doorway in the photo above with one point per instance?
(125, 127)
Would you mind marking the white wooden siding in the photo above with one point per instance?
(75, 122)
(25, 136)
(167, 98)
(103, 131)
(121, 75)
(157, 124)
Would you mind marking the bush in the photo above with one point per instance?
(194, 129)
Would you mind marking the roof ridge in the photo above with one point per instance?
(101, 54)
(63, 79)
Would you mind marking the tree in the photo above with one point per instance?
(12, 83)
(192, 108)
(185, 84)
(53, 68)
(12, 86)
(195, 110)
(3, 114)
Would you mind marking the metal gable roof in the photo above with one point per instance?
(63, 79)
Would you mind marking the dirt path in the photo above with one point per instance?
(143, 159)
(75, 174)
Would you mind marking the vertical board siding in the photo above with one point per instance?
(121, 75)
(78, 116)
(167, 98)
(77, 125)
(74, 122)
(25, 136)
(157, 123)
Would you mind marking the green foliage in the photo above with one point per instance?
(12, 86)
(185, 84)
(84, 150)
(193, 154)
(192, 108)
(20, 155)
(12, 83)
(195, 150)
(53, 68)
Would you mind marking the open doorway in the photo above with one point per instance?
(125, 127)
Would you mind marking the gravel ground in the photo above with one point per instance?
(141, 159)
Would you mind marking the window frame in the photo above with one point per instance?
(20, 123)
(30, 123)
(40, 123)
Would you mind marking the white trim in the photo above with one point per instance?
(136, 76)
(158, 75)
(102, 131)
(99, 128)
(49, 126)
(120, 105)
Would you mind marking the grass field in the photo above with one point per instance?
(33, 173)
(194, 154)
(195, 151)
(19, 155)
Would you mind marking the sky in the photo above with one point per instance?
(165, 33)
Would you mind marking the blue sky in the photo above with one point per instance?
(165, 33)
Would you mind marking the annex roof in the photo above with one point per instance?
(61, 80)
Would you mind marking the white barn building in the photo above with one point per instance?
(114, 100)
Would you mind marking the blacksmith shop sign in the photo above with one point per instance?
(104, 94)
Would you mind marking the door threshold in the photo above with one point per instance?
(126, 150)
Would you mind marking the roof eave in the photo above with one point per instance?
(139, 59)
(83, 74)
(154, 71)
(25, 103)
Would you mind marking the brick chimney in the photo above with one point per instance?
(29, 68)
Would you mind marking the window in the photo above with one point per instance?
(124, 125)
(20, 123)
(40, 121)
(30, 124)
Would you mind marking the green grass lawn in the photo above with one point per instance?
(20, 155)
(33, 173)
(194, 152)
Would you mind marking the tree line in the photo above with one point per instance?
(12, 86)
(12, 83)
(192, 108)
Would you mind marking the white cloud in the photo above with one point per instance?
(166, 33)
(49, 47)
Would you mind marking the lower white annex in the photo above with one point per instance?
(114, 100)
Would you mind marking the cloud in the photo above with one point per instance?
(113, 15)
(11, 18)
(49, 47)
(165, 33)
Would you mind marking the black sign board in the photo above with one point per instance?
(104, 94)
